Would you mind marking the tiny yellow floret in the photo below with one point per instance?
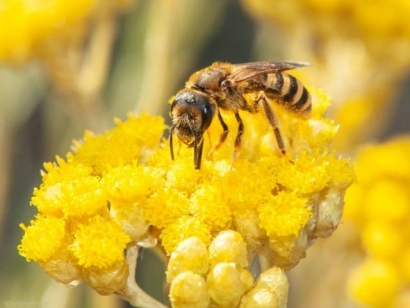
(42, 238)
(285, 214)
(184, 228)
(99, 243)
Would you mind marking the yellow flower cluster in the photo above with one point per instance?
(40, 28)
(121, 189)
(380, 206)
(88, 209)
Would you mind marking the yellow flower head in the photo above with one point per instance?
(208, 222)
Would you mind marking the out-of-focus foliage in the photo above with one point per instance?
(45, 29)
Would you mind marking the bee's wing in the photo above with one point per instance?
(251, 70)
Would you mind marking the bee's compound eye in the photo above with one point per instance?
(206, 116)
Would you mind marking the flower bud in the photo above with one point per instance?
(228, 246)
(107, 280)
(190, 255)
(225, 285)
(189, 290)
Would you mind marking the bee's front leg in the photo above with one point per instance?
(223, 136)
(198, 147)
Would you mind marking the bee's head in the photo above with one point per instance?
(191, 114)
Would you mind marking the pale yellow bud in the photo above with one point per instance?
(228, 246)
(190, 255)
(64, 271)
(189, 290)
(329, 213)
(287, 251)
(259, 298)
(247, 225)
(132, 221)
(246, 278)
(108, 280)
(276, 281)
(225, 285)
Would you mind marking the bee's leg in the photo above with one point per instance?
(270, 114)
(198, 153)
(223, 135)
(238, 138)
(171, 144)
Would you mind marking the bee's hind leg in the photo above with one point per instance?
(270, 114)
(238, 138)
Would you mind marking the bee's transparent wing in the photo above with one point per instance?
(246, 71)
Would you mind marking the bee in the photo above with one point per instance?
(223, 86)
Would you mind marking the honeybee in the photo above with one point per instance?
(223, 86)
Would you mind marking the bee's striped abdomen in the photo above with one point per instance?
(289, 92)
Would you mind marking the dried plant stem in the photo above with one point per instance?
(132, 292)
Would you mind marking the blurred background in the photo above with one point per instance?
(70, 66)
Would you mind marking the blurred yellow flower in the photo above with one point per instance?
(208, 222)
(372, 19)
(375, 283)
(40, 28)
(28, 25)
(379, 204)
